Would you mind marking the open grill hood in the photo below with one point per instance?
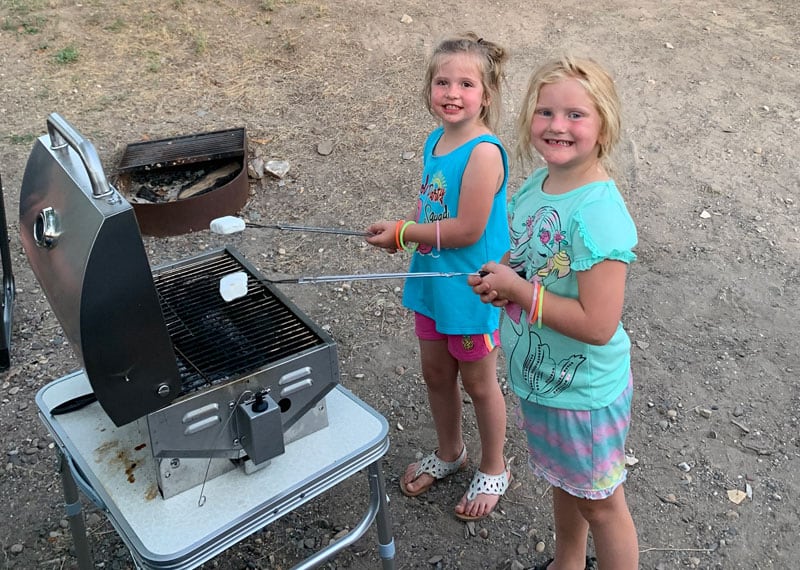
(84, 246)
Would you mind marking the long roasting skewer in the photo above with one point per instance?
(371, 276)
(234, 285)
(232, 224)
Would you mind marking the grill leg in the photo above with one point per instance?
(384, 518)
(77, 526)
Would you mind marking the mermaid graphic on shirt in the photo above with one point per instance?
(542, 239)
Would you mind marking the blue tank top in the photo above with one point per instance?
(449, 300)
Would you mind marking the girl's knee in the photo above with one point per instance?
(603, 511)
(485, 388)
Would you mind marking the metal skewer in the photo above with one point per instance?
(232, 224)
(314, 229)
(370, 276)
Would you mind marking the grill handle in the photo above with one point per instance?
(62, 134)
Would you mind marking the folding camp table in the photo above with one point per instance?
(112, 466)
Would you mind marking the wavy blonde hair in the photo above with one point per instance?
(598, 84)
(491, 59)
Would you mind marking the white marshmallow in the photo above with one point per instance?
(233, 286)
(227, 225)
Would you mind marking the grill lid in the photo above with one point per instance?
(84, 246)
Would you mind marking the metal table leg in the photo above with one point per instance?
(385, 535)
(72, 506)
(378, 508)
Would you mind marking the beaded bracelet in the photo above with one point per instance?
(403, 245)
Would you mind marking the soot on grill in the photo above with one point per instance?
(215, 340)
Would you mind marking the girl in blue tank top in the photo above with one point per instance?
(460, 222)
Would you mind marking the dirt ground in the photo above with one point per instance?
(709, 167)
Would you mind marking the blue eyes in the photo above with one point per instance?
(574, 115)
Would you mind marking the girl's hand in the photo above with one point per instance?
(383, 235)
(498, 286)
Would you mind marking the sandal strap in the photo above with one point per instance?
(439, 469)
(483, 484)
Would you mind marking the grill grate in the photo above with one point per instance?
(187, 149)
(215, 340)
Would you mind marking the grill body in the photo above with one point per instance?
(229, 353)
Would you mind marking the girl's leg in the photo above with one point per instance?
(480, 382)
(613, 531)
(440, 371)
(572, 532)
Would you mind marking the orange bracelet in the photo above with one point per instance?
(534, 310)
(397, 234)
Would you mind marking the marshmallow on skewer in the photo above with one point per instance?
(233, 286)
(227, 225)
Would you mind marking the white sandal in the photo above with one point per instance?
(436, 468)
(483, 484)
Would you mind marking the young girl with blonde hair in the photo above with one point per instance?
(459, 222)
(562, 285)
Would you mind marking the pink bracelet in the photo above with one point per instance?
(438, 239)
(534, 303)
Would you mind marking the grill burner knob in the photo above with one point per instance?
(260, 405)
(46, 229)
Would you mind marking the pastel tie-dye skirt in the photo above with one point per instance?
(581, 452)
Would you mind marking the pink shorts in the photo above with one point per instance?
(467, 347)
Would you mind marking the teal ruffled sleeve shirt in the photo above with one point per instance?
(553, 237)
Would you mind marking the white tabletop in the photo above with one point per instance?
(117, 465)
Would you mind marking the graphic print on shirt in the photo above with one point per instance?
(431, 205)
(540, 252)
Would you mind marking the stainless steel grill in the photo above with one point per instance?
(206, 378)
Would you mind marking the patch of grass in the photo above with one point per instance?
(272, 5)
(200, 42)
(109, 101)
(23, 7)
(25, 139)
(67, 55)
(25, 25)
(153, 61)
(116, 26)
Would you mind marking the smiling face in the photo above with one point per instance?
(457, 94)
(566, 125)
